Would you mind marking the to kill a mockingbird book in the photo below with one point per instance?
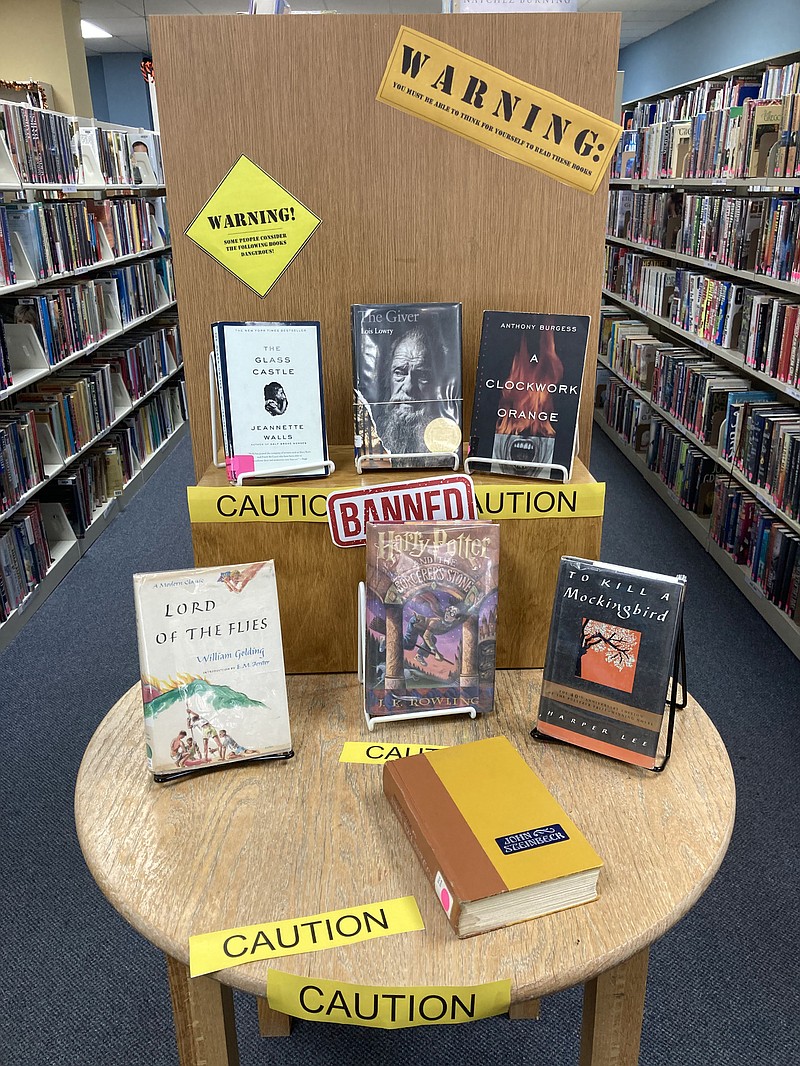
(609, 659)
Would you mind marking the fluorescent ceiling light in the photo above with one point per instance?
(89, 30)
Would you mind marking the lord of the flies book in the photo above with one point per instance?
(610, 656)
(269, 377)
(431, 617)
(407, 394)
(527, 394)
(211, 658)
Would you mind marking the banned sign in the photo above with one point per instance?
(437, 499)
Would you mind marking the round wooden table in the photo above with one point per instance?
(270, 841)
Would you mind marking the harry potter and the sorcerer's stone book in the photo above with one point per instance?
(269, 377)
(431, 617)
(407, 392)
(528, 393)
(610, 657)
(211, 658)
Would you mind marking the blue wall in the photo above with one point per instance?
(725, 34)
(119, 92)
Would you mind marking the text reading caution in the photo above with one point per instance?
(209, 952)
(429, 79)
(252, 226)
(450, 499)
(381, 1007)
(356, 751)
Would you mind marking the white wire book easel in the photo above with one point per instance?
(558, 467)
(362, 677)
(288, 471)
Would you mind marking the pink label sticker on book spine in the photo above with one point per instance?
(239, 464)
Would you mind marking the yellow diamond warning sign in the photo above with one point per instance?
(253, 226)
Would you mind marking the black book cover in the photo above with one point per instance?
(609, 659)
(407, 393)
(527, 393)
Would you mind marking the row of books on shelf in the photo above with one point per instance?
(753, 430)
(757, 540)
(62, 414)
(716, 94)
(25, 557)
(38, 240)
(111, 464)
(73, 501)
(762, 327)
(47, 148)
(756, 233)
(740, 523)
(755, 140)
(65, 320)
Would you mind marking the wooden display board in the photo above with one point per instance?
(317, 581)
(410, 212)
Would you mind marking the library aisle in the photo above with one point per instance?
(81, 987)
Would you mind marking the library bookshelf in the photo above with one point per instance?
(92, 397)
(703, 259)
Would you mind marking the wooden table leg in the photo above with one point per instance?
(205, 1027)
(272, 1022)
(613, 1009)
(528, 1009)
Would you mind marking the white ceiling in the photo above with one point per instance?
(126, 19)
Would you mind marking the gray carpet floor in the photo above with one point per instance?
(81, 988)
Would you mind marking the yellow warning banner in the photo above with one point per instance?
(435, 82)
(252, 226)
(381, 1007)
(508, 499)
(209, 952)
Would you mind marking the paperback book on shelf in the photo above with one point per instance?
(269, 376)
(407, 393)
(431, 617)
(211, 657)
(495, 844)
(610, 657)
(527, 394)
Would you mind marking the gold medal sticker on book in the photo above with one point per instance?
(211, 658)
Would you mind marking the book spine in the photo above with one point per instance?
(408, 819)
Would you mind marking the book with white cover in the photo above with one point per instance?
(269, 376)
(211, 658)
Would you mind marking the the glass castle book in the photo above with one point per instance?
(407, 395)
(431, 617)
(211, 658)
(528, 394)
(610, 657)
(269, 377)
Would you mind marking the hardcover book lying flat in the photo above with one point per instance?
(211, 658)
(269, 377)
(494, 842)
(407, 385)
(610, 657)
(431, 618)
(528, 394)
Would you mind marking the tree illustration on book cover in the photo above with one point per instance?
(608, 654)
(431, 617)
(213, 684)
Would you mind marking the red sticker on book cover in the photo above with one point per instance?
(436, 499)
